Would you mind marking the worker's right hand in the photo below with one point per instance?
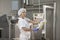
(35, 29)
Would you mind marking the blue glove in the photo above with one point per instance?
(35, 29)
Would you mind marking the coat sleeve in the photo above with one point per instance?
(21, 24)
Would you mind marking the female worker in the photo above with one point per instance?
(23, 25)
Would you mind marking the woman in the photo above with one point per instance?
(23, 25)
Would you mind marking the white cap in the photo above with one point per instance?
(21, 10)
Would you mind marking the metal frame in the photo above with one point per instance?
(9, 27)
(54, 19)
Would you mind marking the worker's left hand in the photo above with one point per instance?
(36, 21)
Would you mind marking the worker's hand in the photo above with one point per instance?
(35, 29)
(36, 21)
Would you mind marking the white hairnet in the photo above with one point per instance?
(21, 10)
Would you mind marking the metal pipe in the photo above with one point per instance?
(39, 6)
(54, 22)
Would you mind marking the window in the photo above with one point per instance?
(14, 5)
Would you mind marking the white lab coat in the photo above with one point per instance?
(23, 34)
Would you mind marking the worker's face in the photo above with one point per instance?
(23, 14)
